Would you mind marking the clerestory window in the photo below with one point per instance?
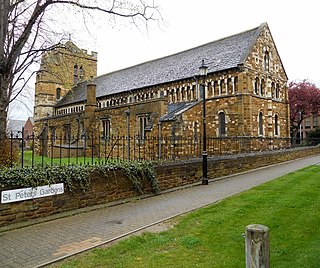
(58, 93)
(266, 61)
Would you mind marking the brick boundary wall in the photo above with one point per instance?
(117, 187)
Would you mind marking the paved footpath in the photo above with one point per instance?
(43, 243)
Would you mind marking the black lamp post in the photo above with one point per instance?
(203, 70)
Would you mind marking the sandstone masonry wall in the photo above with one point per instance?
(116, 187)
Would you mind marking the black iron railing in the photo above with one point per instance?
(94, 149)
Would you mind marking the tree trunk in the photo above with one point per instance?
(295, 136)
(3, 106)
(4, 20)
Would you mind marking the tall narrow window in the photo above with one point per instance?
(67, 134)
(210, 90)
(106, 128)
(216, 88)
(222, 123)
(273, 90)
(260, 123)
(81, 72)
(221, 89)
(194, 93)
(229, 86)
(266, 61)
(276, 125)
(58, 93)
(256, 85)
(75, 73)
(142, 126)
(195, 132)
(235, 81)
(277, 91)
(53, 134)
(262, 87)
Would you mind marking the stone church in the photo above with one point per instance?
(245, 89)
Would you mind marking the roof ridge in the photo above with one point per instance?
(221, 54)
(258, 31)
(181, 52)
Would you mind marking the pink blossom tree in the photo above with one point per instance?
(304, 98)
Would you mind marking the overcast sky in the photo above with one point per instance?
(293, 24)
(187, 24)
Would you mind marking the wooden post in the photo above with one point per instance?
(257, 246)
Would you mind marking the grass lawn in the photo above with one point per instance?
(39, 160)
(212, 236)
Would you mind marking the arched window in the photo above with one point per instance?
(276, 125)
(266, 61)
(222, 123)
(194, 92)
(81, 72)
(173, 96)
(229, 86)
(58, 93)
(178, 95)
(216, 88)
(260, 123)
(262, 87)
(195, 132)
(210, 90)
(188, 94)
(222, 88)
(256, 85)
(235, 82)
(277, 91)
(273, 90)
(75, 73)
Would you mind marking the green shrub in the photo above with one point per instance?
(314, 137)
(73, 175)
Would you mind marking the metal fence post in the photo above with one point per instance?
(257, 246)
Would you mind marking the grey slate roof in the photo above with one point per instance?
(176, 109)
(219, 55)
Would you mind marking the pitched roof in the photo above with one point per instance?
(219, 55)
(31, 120)
(176, 109)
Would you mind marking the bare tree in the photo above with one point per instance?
(24, 36)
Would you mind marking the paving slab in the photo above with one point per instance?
(41, 244)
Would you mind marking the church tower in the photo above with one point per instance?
(60, 70)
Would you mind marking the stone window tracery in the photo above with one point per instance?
(142, 124)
